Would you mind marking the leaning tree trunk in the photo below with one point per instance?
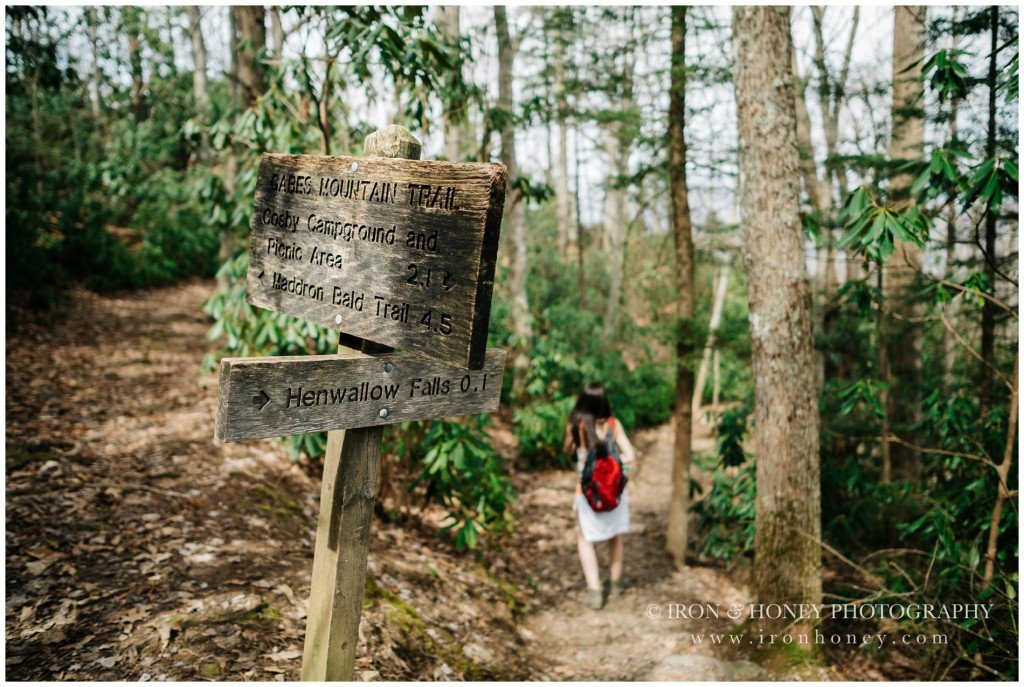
(710, 344)
(515, 225)
(787, 557)
(676, 534)
(903, 335)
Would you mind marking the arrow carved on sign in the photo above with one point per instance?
(261, 400)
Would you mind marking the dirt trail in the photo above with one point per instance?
(136, 547)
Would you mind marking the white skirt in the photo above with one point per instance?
(598, 527)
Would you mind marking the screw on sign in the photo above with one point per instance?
(393, 252)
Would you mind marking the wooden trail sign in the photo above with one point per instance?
(271, 397)
(399, 252)
(390, 252)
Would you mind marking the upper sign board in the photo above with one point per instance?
(399, 252)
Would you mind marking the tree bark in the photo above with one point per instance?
(233, 40)
(618, 144)
(988, 309)
(820, 198)
(581, 276)
(563, 201)
(1003, 493)
(252, 31)
(195, 32)
(515, 226)
(787, 561)
(949, 343)
(448, 20)
(721, 287)
(903, 337)
(677, 535)
(133, 28)
(276, 33)
(94, 80)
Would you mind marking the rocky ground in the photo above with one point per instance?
(138, 548)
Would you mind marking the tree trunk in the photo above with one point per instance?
(580, 258)
(448, 20)
(819, 195)
(233, 40)
(133, 27)
(252, 32)
(717, 385)
(276, 33)
(614, 227)
(988, 308)
(563, 202)
(721, 287)
(787, 562)
(949, 343)
(903, 337)
(195, 32)
(618, 144)
(677, 535)
(94, 80)
(1003, 489)
(515, 226)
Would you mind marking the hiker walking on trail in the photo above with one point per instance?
(604, 458)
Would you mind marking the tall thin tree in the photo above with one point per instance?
(448, 19)
(562, 17)
(988, 309)
(902, 336)
(682, 230)
(94, 77)
(619, 138)
(515, 226)
(199, 89)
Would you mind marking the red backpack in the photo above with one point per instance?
(603, 479)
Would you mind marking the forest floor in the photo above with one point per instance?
(138, 548)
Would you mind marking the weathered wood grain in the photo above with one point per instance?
(282, 396)
(399, 252)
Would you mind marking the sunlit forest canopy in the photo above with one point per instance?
(134, 134)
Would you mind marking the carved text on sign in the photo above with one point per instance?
(399, 252)
(281, 396)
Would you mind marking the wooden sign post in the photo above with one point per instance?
(391, 252)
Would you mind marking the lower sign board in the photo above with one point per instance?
(281, 396)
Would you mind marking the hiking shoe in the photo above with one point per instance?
(595, 599)
(615, 588)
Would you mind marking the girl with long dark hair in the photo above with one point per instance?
(592, 416)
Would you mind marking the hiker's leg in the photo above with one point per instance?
(616, 549)
(588, 557)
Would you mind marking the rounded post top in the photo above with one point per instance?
(392, 141)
